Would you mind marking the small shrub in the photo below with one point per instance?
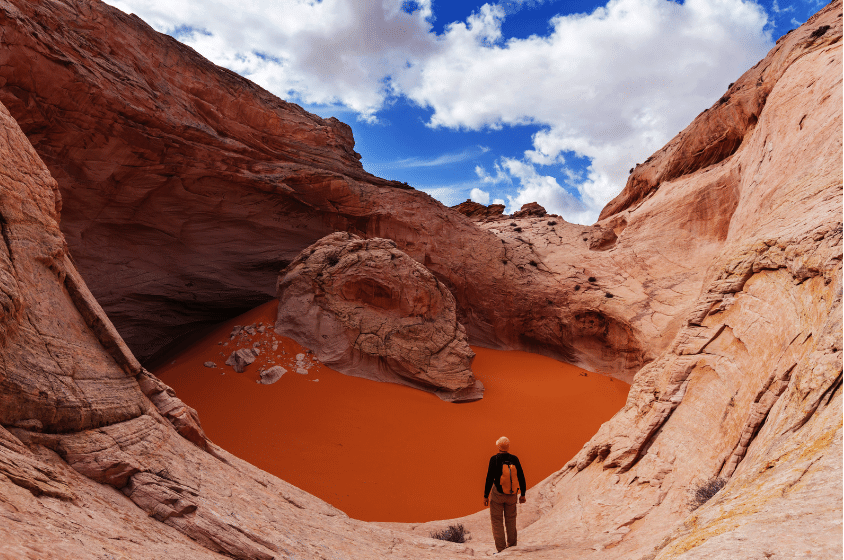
(819, 32)
(517, 229)
(552, 223)
(454, 533)
(591, 278)
(705, 490)
(608, 295)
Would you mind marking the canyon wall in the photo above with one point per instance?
(720, 275)
(99, 459)
(749, 389)
(187, 188)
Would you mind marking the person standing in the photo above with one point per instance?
(505, 479)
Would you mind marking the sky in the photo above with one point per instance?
(551, 101)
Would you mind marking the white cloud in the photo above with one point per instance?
(443, 159)
(499, 177)
(332, 51)
(611, 86)
(545, 190)
(479, 196)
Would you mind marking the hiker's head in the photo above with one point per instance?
(503, 444)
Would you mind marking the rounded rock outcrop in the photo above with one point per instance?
(367, 309)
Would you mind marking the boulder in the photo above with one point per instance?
(531, 209)
(271, 375)
(241, 358)
(367, 309)
(477, 211)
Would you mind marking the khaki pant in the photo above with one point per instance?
(503, 504)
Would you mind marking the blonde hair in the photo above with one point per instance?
(503, 444)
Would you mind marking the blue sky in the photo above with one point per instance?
(515, 101)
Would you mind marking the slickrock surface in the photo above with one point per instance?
(367, 309)
(98, 458)
(750, 387)
(723, 279)
(187, 188)
(478, 211)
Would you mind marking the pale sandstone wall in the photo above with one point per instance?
(747, 385)
(749, 388)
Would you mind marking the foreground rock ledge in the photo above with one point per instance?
(368, 309)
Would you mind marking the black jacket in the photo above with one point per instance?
(493, 473)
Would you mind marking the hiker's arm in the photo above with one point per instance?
(521, 474)
(490, 476)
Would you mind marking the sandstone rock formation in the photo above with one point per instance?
(725, 279)
(241, 358)
(367, 309)
(531, 209)
(271, 375)
(187, 188)
(98, 458)
(750, 387)
(478, 211)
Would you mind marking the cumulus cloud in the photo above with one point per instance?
(320, 53)
(611, 86)
(437, 161)
(479, 196)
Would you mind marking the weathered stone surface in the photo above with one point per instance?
(271, 375)
(367, 309)
(91, 463)
(743, 380)
(187, 188)
(531, 209)
(478, 211)
(241, 358)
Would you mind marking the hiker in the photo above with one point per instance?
(505, 479)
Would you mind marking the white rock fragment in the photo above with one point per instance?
(210, 364)
(272, 375)
(240, 359)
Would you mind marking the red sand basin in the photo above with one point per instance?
(383, 452)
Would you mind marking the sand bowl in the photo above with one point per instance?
(378, 451)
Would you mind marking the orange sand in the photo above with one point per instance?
(383, 452)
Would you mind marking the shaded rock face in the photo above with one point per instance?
(98, 458)
(478, 211)
(367, 309)
(187, 188)
(530, 209)
(732, 272)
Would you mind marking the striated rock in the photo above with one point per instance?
(367, 309)
(271, 375)
(241, 358)
(726, 284)
(212, 185)
(478, 211)
(91, 462)
(531, 209)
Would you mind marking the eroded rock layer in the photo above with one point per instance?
(749, 389)
(98, 458)
(724, 281)
(367, 309)
(187, 188)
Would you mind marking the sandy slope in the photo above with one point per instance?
(383, 452)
